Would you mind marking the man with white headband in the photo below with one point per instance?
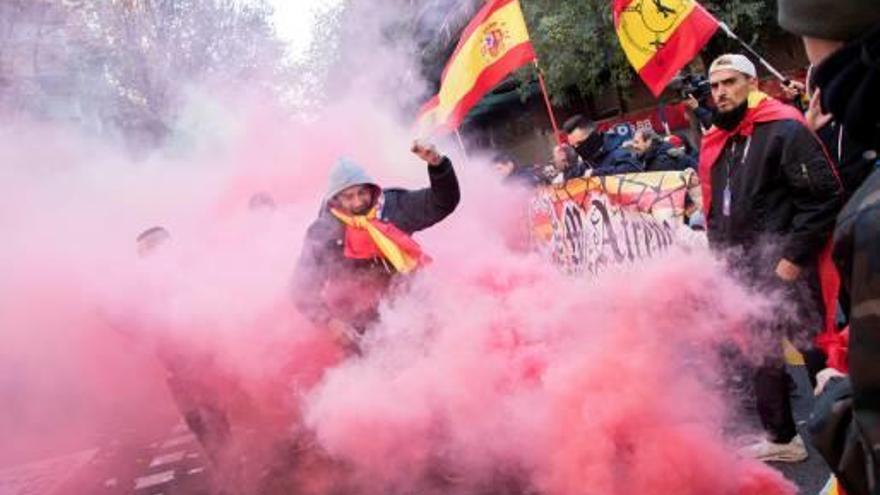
(770, 196)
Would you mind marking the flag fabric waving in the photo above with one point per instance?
(494, 44)
(660, 37)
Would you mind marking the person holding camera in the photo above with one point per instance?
(695, 94)
(361, 242)
(701, 115)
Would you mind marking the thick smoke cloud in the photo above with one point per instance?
(488, 368)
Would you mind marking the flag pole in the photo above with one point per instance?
(729, 32)
(556, 134)
(461, 145)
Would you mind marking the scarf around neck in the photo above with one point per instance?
(367, 237)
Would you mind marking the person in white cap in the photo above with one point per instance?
(770, 196)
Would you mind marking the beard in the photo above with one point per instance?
(362, 210)
(730, 119)
(355, 211)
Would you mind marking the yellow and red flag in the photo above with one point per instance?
(494, 44)
(660, 37)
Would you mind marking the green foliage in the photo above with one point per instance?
(578, 47)
(122, 67)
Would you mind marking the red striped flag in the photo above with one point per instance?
(494, 44)
(660, 37)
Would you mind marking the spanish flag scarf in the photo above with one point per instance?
(367, 237)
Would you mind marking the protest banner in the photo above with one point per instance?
(590, 223)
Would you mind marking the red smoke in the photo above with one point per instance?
(489, 367)
(492, 366)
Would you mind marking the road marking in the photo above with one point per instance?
(153, 480)
(167, 458)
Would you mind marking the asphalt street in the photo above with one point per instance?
(167, 460)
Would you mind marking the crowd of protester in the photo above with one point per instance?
(590, 152)
(790, 196)
(787, 183)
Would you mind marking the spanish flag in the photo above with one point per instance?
(367, 237)
(494, 44)
(660, 37)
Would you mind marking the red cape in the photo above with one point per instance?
(769, 109)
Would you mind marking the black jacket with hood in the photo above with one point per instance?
(848, 79)
(328, 285)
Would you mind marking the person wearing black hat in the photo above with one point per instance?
(598, 154)
(842, 41)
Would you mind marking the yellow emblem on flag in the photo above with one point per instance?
(659, 37)
(646, 25)
(495, 37)
(495, 43)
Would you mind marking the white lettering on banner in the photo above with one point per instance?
(604, 234)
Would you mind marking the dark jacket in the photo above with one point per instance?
(857, 255)
(704, 116)
(661, 157)
(848, 80)
(575, 170)
(855, 161)
(785, 191)
(839, 439)
(609, 159)
(614, 162)
(328, 285)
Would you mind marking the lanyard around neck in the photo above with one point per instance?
(742, 160)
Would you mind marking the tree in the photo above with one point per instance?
(137, 56)
(578, 48)
(31, 43)
(393, 50)
(120, 66)
(575, 41)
